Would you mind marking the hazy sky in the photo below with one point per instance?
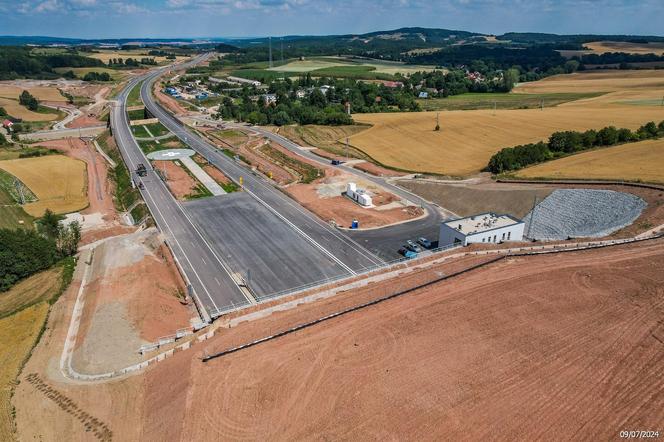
(239, 18)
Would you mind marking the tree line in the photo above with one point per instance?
(25, 252)
(19, 62)
(313, 101)
(568, 142)
(29, 101)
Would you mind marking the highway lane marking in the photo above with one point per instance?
(215, 278)
(140, 153)
(194, 139)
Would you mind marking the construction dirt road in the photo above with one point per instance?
(572, 340)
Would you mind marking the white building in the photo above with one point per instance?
(483, 228)
(269, 98)
(358, 195)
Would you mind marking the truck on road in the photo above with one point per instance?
(141, 170)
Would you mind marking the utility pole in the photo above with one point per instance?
(346, 148)
(282, 49)
(270, 44)
(532, 217)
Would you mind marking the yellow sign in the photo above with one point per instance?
(241, 181)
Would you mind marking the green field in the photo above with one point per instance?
(262, 75)
(152, 146)
(315, 64)
(11, 213)
(80, 72)
(138, 114)
(134, 97)
(500, 100)
(352, 71)
(156, 129)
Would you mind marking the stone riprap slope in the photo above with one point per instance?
(582, 213)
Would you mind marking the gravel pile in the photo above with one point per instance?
(582, 213)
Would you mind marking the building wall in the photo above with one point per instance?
(448, 235)
(509, 233)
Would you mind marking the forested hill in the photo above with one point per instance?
(19, 62)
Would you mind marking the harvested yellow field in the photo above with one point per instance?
(601, 47)
(14, 109)
(30, 291)
(58, 182)
(637, 81)
(630, 162)
(17, 334)
(106, 55)
(468, 139)
(43, 93)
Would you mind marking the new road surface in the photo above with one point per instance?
(213, 287)
(259, 235)
(384, 242)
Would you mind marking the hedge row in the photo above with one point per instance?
(562, 143)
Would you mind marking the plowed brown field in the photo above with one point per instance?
(553, 347)
(566, 346)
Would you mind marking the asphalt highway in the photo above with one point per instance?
(346, 253)
(213, 287)
(384, 242)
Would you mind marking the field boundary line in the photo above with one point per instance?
(584, 182)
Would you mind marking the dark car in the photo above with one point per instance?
(413, 247)
(407, 253)
(424, 242)
(336, 162)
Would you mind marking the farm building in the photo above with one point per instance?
(244, 81)
(486, 227)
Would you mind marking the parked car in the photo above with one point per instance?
(407, 253)
(412, 246)
(424, 242)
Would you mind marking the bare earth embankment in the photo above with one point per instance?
(571, 340)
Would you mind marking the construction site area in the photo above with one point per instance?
(244, 282)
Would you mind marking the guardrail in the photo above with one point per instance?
(363, 272)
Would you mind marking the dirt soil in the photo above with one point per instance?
(216, 174)
(179, 181)
(563, 346)
(132, 299)
(377, 170)
(84, 121)
(471, 199)
(343, 211)
(99, 189)
(40, 417)
(529, 348)
(169, 102)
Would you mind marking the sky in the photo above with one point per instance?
(250, 18)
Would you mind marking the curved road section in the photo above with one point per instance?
(258, 236)
(210, 282)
